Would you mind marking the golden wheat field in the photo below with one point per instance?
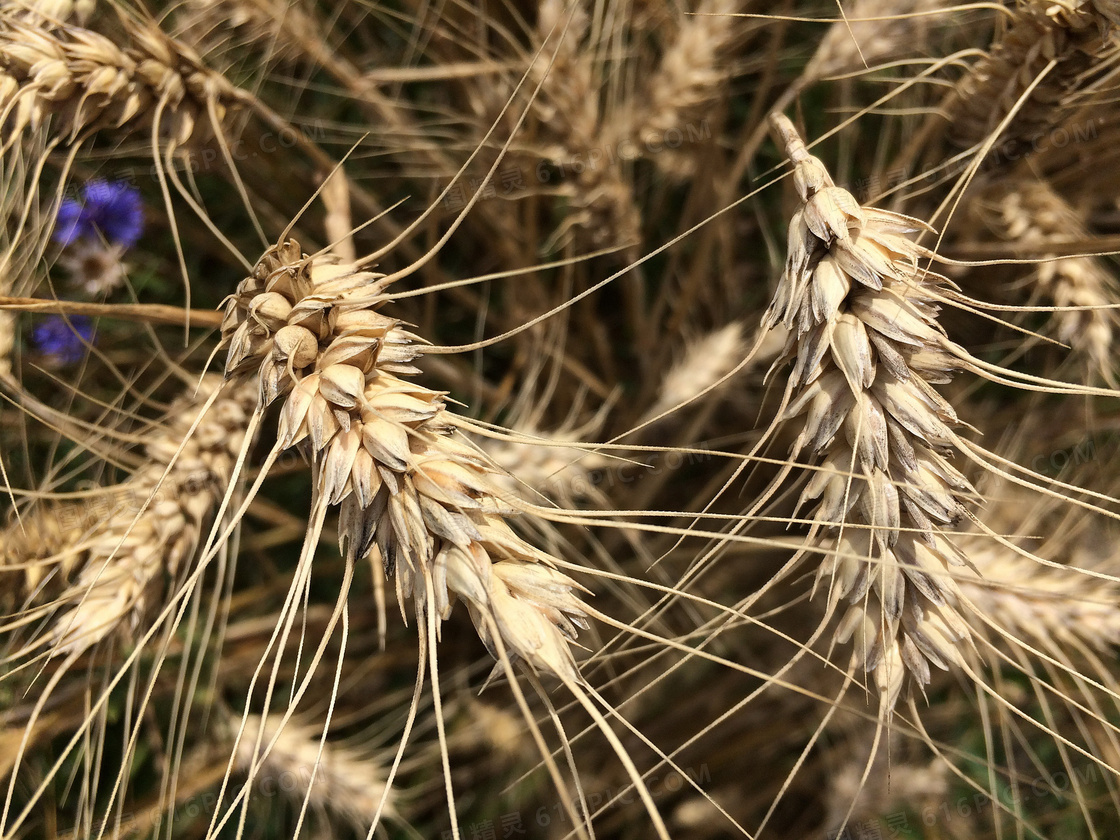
(496, 420)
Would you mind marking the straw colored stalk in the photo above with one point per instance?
(7, 343)
(573, 137)
(153, 525)
(413, 493)
(1031, 214)
(688, 83)
(866, 349)
(1066, 40)
(82, 81)
(339, 779)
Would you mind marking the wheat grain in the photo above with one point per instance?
(154, 526)
(866, 348)
(384, 448)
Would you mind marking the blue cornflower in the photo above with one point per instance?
(109, 209)
(63, 339)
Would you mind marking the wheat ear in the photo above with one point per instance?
(1052, 607)
(330, 775)
(567, 108)
(704, 362)
(411, 492)
(688, 83)
(874, 31)
(1065, 40)
(82, 80)
(1032, 214)
(154, 526)
(866, 348)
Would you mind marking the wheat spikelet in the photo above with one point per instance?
(339, 780)
(1073, 36)
(689, 81)
(865, 347)
(155, 523)
(411, 492)
(82, 80)
(1030, 213)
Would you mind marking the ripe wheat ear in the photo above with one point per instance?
(866, 350)
(414, 497)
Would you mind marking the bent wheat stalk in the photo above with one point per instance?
(866, 350)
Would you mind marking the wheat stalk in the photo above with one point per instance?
(411, 492)
(866, 348)
(154, 526)
(1067, 40)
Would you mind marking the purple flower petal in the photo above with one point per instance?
(63, 339)
(112, 210)
(71, 223)
(116, 210)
